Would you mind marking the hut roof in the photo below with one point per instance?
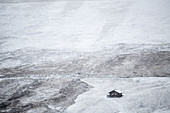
(118, 91)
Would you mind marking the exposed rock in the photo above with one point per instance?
(32, 95)
(148, 63)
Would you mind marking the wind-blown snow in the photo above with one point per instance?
(82, 25)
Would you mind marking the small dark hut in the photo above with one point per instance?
(115, 93)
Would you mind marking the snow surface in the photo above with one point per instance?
(140, 95)
(82, 25)
(41, 32)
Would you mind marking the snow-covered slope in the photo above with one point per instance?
(140, 95)
(43, 32)
(52, 41)
(82, 25)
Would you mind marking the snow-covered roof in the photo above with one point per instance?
(118, 91)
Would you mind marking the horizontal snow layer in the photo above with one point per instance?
(144, 63)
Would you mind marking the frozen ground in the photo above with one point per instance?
(52, 51)
(143, 63)
(39, 94)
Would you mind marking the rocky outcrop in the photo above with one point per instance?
(29, 95)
